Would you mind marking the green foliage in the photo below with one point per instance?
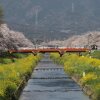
(19, 55)
(9, 91)
(93, 54)
(96, 54)
(5, 60)
(97, 93)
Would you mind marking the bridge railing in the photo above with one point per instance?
(60, 50)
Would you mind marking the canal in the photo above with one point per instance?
(49, 82)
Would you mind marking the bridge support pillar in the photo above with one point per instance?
(34, 53)
(80, 54)
(61, 53)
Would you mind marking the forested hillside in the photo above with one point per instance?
(1, 15)
(61, 18)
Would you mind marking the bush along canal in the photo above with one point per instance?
(14, 74)
(49, 82)
(84, 70)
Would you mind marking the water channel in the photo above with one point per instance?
(49, 82)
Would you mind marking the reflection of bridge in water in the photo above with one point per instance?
(60, 50)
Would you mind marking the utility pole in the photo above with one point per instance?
(89, 39)
(36, 18)
(73, 6)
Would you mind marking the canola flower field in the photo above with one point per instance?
(84, 68)
(12, 74)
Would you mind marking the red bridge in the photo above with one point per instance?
(61, 51)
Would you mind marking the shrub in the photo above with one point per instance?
(5, 60)
(9, 91)
(96, 54)
(88, 78)
(19, 55)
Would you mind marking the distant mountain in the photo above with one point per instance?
(52, 18)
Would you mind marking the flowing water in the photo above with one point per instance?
(49, 82)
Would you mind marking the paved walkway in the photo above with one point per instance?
(49, 82)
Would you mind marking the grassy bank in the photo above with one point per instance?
(93, 54)
(84, 69)
(6, 58)
(11, 74)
